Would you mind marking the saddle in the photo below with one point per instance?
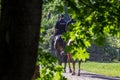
(56, 38)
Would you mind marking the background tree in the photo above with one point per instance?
(108, 52)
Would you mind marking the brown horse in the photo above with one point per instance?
(59, 47)
(73, 61)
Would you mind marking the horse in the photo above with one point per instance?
(73, 61)
(59, 46)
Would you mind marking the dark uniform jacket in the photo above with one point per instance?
(60, 27)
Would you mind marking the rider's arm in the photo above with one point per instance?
(69, 22)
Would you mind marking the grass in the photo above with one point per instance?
(108, 69)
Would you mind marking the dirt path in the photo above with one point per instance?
(87, 76)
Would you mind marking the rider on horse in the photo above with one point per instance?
(60, 28)
(57, 41)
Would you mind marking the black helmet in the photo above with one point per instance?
(62, 15)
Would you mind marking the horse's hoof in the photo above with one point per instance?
(73, 73)
(78, 74)
(70, 71)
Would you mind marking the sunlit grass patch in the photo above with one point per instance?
(108, 69)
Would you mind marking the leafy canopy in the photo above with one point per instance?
(95, 19)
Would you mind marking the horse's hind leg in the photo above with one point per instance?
(59, 61)
(79, 67)
(65, 67)
(65, 61)
(59, 58)
(73, 62)
(69, 58)
(70, 70)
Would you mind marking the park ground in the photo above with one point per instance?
(96, 71)
(88, 76)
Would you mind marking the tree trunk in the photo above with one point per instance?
(19, 36)
(36, 73)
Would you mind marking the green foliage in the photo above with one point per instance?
(102, 16)
(47, 30)
(80, 42)
(49, 69)
(54, 6)
(95, 19)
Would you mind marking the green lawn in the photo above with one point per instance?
(108, 69)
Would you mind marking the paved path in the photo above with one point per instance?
(87, 76)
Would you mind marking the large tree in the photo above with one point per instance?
(19, 36)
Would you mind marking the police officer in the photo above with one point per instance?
(60, 27)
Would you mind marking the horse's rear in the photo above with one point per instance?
(59, 47)
(59, 43)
